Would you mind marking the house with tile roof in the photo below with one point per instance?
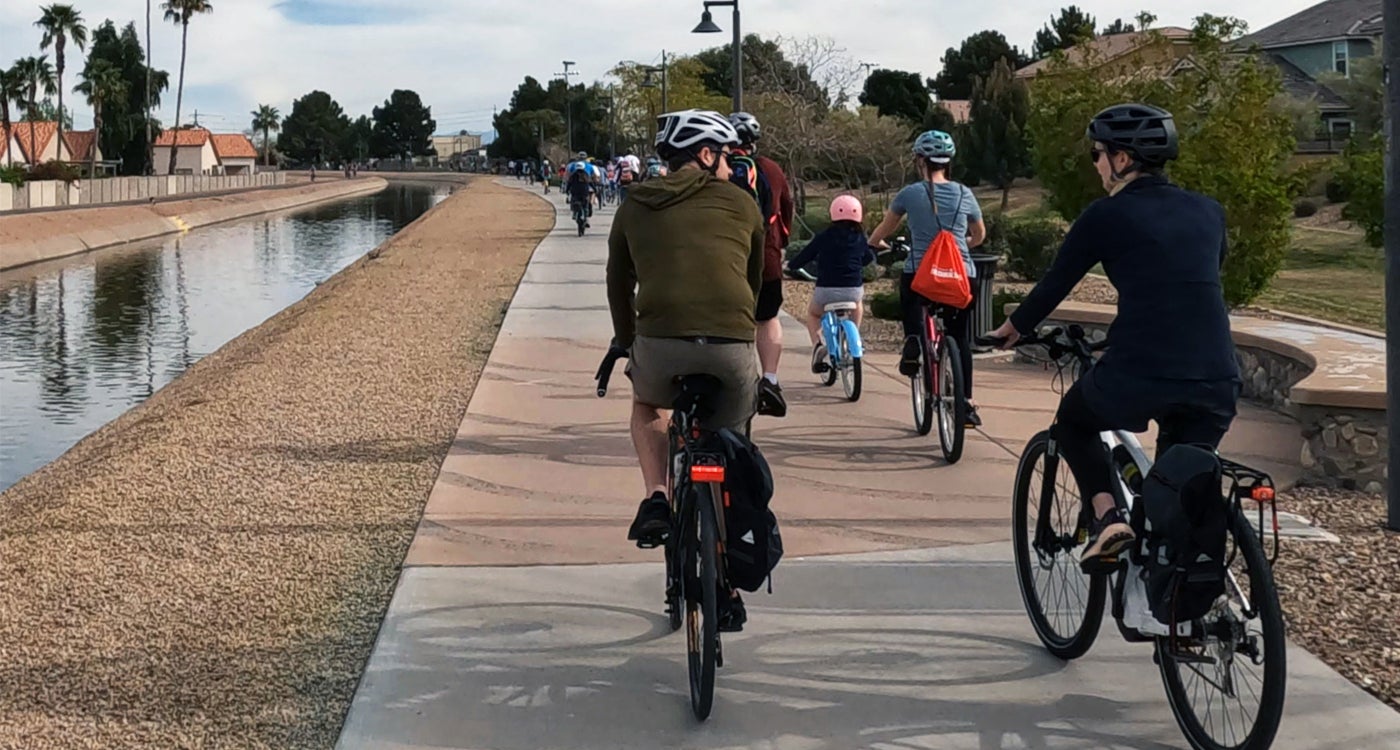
(1324, 39)
(81, 144)
(9, 148)
(236, 154)
(37, 138)
(200, 152)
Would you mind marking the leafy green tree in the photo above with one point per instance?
(47, 111)
(403, 127)
(1235, 146)
(266, 118)
(36, 75)
(61, 24)
(896, 93)
(11, 90)
(976, 56)
(1065, 30)
(180, 12)
(996, 145)
(355, 145)
(638, 98)
(1362, 175)
(315, 129)
(766, 69)
(1117, 27)
(123, 133)
(102, 83)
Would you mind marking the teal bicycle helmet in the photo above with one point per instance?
(936, 146)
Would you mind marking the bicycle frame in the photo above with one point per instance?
(690, 466)
(831, 322)
(933, 339)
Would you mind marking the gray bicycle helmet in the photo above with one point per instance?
(1145, 132)
(746, 125)
(936, 146)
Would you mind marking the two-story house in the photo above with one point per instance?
(1324, 39)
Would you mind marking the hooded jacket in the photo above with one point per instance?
(685, 258)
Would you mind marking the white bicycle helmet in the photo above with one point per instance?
(746, 125)
(691, 129)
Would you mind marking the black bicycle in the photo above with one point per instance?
(1211, 666)
(694, 549)
(582, 209)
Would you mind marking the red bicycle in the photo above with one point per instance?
(937, 386)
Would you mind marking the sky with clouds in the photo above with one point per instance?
(466, 56)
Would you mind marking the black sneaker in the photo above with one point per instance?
(770, 399)
(973, 418)
(909, 359)
(652, 525)
(1109, 537)
(819, 359)
(732, 614)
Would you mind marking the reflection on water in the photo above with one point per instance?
(83, 340)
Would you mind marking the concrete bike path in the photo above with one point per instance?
(524, 620)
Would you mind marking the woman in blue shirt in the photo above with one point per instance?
(932, 204)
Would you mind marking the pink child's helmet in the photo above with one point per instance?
(846, 208)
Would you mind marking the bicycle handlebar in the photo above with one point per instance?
(1059, 341)
(605, 369)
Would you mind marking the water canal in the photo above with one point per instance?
(83, 340)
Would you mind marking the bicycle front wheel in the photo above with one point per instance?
(702, 606)
(951, 401)
(921, 388)
(1065, 606)
(1226, 684)
(850, 366)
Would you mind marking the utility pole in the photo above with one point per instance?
(150, 139)
(569, 100)
(612, 121)
(1391, 47)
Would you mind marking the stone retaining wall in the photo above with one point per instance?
(1343, 447)
(53, 194)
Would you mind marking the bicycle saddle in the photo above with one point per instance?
(698, 394)
(839, 306)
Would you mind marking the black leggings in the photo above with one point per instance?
(1198, 412)
(959, 323)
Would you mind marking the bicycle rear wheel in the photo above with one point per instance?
(1226, 688)
(1065, 606)
(850, 366)
(921, 389)
(951, 401)
(701, 600)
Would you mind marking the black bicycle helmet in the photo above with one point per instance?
(1146, 132)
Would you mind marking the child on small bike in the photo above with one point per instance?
(842, 253)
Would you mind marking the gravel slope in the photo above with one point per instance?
(210, 569)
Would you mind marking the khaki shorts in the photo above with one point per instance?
(656, 362)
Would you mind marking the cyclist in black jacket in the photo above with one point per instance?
(1170, 357)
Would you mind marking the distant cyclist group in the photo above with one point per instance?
(694, 285)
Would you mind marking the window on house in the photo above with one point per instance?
(1339, 57)
(1341, 130)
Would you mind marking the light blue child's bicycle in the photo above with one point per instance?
(843, 349)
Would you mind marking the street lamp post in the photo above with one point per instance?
(569, 100)
(707, 26)
(650, 70)
(1391, 47)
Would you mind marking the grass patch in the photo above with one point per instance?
(1333, 276)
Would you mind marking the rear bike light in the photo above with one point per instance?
(707, 473)
(1262, 494)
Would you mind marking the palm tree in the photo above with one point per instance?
(102, 82)
(180, 12)
(11, 90)
(60, 24)
(266, 118)
(35, 75)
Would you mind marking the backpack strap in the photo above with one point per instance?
(933, 203)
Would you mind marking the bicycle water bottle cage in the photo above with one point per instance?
(839, 307)
(698, 395)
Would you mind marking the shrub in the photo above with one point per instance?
(1000, 299)
(872, 272)
(1031, 245)
(885, 305)
(12, 175)
(1363, 178)
(793, 248)
(1336, 190)
(1304, 208)
(53, 170)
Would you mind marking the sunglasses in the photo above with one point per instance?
(1095, 153)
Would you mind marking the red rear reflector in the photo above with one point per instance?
(1262, 494)
(707, 473)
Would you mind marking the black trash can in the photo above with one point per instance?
(986, 265)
